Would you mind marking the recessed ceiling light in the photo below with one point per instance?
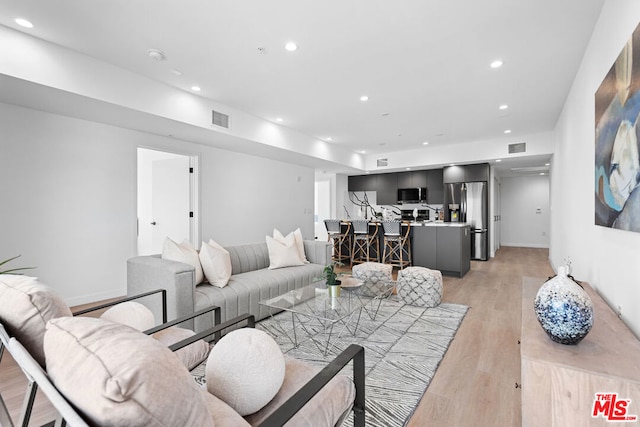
(364, 98)
(291, 46)
(542, 173)
(156, 54)
(425, 143)
(328, 139)
(362, 152)
(503, 107)
(279, 119)
(547, 164)
(508, 131)
(408, 169)
(23, 23)
(497, 63)
(498, 160)
(367, 171)
(196, 88)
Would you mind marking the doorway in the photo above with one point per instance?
(166, 199)
(322, 208)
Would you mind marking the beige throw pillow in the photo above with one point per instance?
(191, 355)
(132, 314)
(26, 306)
(299, 242)
(183, 252)
(216, 263)
(140, 318)
(283, 253)
(117, 376)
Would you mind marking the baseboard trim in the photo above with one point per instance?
(526, 245)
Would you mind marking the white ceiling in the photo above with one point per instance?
(422, 63)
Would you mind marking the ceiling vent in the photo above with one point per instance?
(383, 162)
(517, 148)
(220, 119)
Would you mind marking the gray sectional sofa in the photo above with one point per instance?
(251, 281)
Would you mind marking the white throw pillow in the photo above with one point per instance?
(283, 253)
(216, 263)
(183, 252)
(132, 314)
(299, 242)
(245, 369)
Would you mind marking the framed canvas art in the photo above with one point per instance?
(617, 162)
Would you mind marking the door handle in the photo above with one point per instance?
(153, 223)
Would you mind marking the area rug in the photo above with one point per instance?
(403, 348)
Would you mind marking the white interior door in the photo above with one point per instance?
(170, 201)
(322, 208)
(167, 193)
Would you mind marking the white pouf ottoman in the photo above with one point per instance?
(373, 273)
(420, 286)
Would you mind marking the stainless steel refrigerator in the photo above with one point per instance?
(467, 202)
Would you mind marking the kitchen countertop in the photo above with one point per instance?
(439, 224)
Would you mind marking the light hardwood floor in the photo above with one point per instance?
(475, 384)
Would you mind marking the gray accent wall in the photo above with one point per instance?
(69, 198)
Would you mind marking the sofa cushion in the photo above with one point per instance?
(283, 253)
(25, 308)
(245, 290)
(223, 415)
(327, 408)
(245, 369)
(183, 252)
(117, 376)
(216, 263)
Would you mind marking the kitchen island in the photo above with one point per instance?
(444, 246)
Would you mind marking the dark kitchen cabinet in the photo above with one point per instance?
(412, 179)
(454, 250)
(387, 189)
(424, 247)
(435, 187)
(474, 173)
(442, 247)
(452, 174)
(466, 173)
(362, 183)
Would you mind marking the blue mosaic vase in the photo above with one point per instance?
(564, 309)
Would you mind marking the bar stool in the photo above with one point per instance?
(340, 237)
(366, 244)
(397, 246)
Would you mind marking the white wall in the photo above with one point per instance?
(69, 198)
(606, 258)
(524, 209)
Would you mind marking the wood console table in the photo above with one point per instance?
(559, 382)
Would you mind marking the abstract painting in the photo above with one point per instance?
(617, 162)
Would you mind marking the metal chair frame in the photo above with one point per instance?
(397, 245)
(69, 416)
(365, 241)
(339, 238)
(32, 386)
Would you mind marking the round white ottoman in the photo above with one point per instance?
(420, 286)
(373, 273)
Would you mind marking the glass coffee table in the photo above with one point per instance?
(312, 308)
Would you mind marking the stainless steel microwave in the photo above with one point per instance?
(412, 195)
